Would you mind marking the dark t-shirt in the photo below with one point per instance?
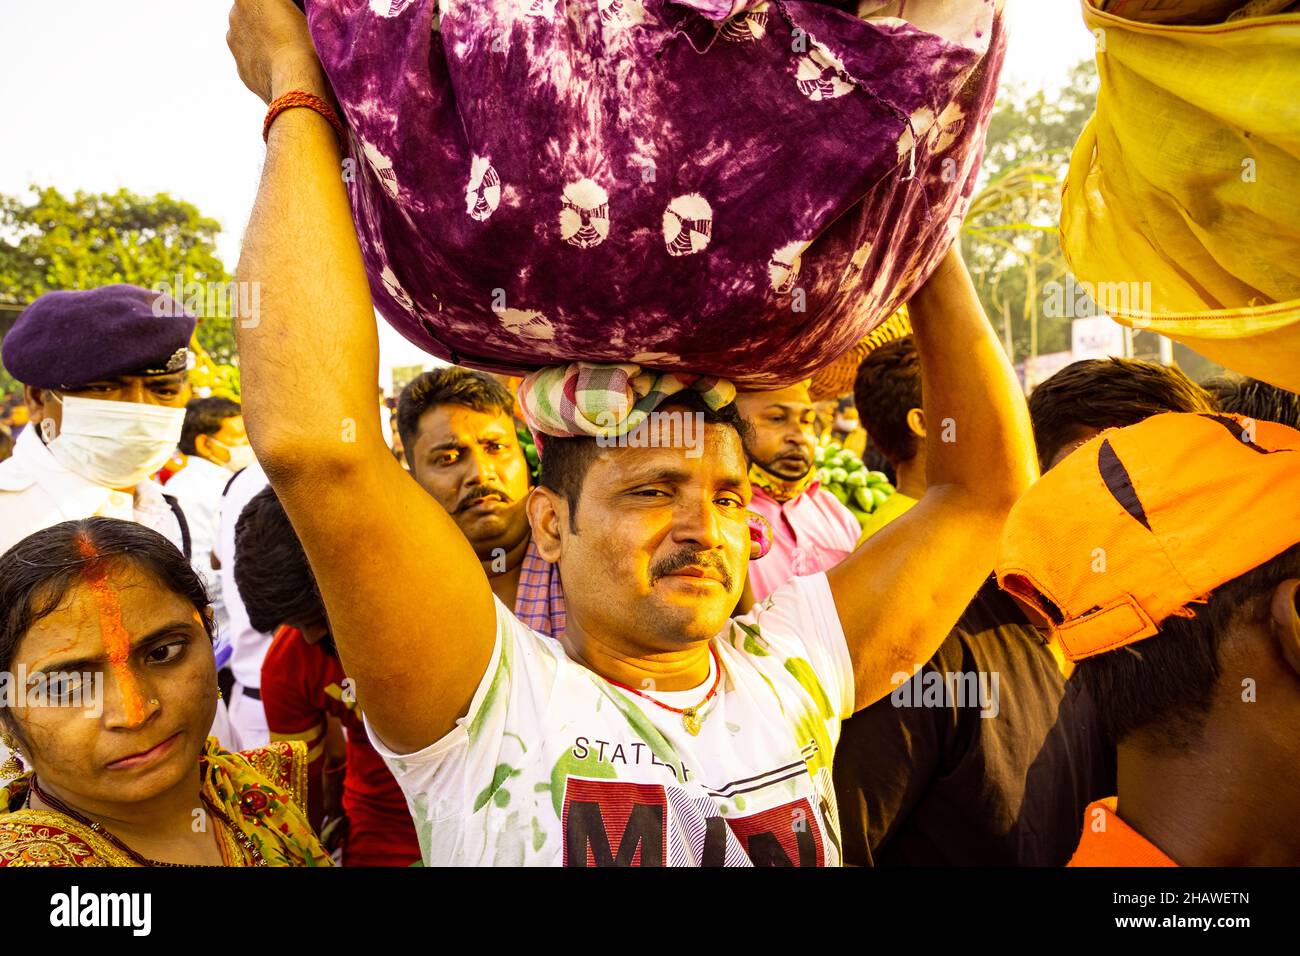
(923, 779)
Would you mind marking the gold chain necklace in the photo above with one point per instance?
(692, 718)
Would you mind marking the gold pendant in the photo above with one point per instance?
(691, 721)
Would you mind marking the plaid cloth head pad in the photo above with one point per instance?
(725, 187)
(605, 401)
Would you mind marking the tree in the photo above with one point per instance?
(1010, 239)
(50, 241)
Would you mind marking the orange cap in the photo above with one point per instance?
(1142, 521)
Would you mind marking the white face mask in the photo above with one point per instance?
(241, 456)
(114, 444)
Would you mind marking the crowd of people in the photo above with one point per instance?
(992, 748)
(1071, 635)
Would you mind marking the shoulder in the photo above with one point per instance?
(794, 628)
(25, 511)
(15, 475)
(287, 649)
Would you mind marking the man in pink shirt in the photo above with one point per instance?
(811, 530)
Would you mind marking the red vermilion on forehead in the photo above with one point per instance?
(117, 642)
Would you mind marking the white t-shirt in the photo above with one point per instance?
(555, 766)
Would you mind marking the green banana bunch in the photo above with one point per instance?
(842, 473)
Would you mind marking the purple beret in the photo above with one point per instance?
(72, 338)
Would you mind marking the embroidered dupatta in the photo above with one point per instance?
(262, 791)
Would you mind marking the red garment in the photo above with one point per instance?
(302, 684)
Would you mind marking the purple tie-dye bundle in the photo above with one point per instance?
(727, 187)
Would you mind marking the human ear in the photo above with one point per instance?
(204, 446)
(34, 398)
(916, 422)
(1284, 618)
(546, 510)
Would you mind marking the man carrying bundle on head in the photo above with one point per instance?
(658, 731)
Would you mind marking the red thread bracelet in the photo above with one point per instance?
(295, 98)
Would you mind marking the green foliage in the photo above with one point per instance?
(1010, 239)
(51, 241)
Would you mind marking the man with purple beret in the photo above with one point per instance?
(104, 376)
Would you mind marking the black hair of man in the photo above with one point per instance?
(1163, 686)
(1255, 399)
(888, 386)
(565, 461)
(274, 578)
(1107, 393)
(204, 416)
(447, 386)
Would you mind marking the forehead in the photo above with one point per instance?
(444, 423)
(232, 426)
(74, 628)
(796, 395)
(717, 456)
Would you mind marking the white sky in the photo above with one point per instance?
(143, 94)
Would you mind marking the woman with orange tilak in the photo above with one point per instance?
(106, 645)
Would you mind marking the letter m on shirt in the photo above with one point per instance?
(612, 823)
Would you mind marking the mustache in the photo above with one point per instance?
(801, 454)
(688, 558)
(478, 493)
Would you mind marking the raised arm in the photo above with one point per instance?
(899, 594)
(408, 602)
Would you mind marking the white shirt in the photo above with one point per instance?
(37, 491)
(555, 766)
(198, 487)
(248, 644)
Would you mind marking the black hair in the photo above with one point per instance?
(274, 578)
(447, 386)
(1107, 393)
(204, 416)
(888, 386)
(1255, 399)
(1165, 683)
(37, 573)
(565, 461)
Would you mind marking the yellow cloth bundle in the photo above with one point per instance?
(1181, 207)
